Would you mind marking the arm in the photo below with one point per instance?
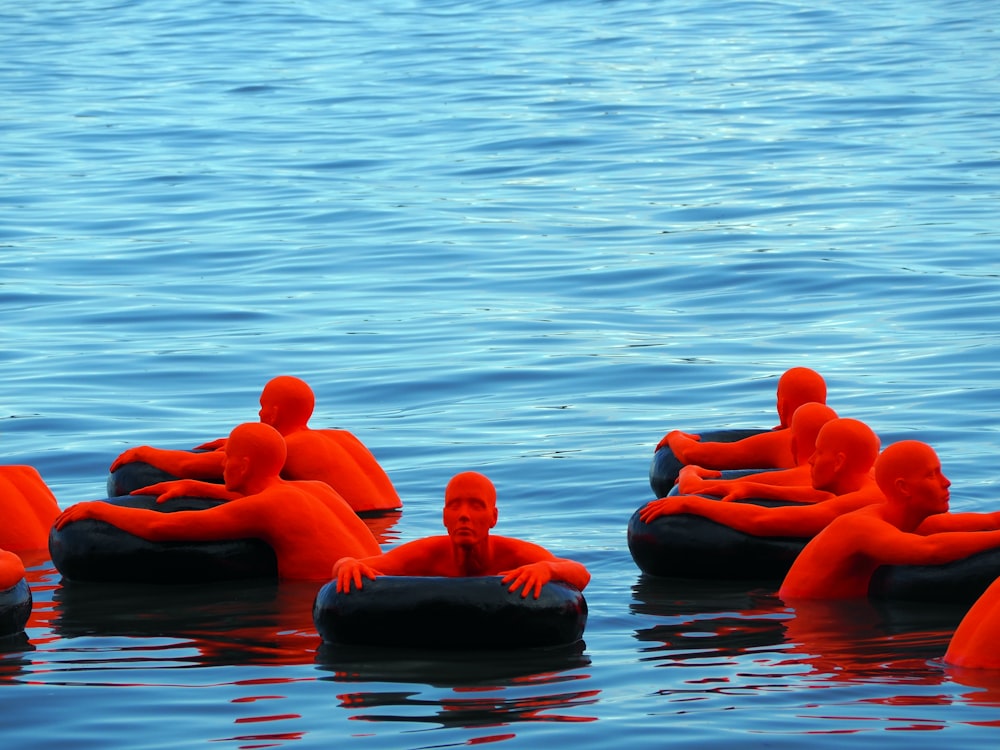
(187, 488)
(768, 449)
(414, 558)
(676, 435)
(959, 522)
(527, 566)
(212, 445)
(803, 494)
(792, 520)
(179, 463)
(530, 578)
(221, 522)
(890, 546)
(697, 480)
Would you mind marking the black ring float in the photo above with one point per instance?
(962, 580)
(665, 467)
(15, 608)
(91, 550)
(685, 545)
(449, 613)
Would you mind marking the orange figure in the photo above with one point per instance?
(336, 457)
(841, 466)
(306, 536)
(806, 424)
(974, 644)
(470, 511)
(772, 449)
(11, 569)
(912, 527)
(29, 508)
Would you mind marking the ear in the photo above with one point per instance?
(901, 486)
(496, 515)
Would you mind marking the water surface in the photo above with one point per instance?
(521, 237)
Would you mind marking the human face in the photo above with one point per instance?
(234, 470)
(824, 465)
(468, 518)
(928, 486)
(268, 408)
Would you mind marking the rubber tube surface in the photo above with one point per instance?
(450, 613)
(963, 580)
(684, 545)
(15, 608)
(91, 550)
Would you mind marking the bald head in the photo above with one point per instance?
(903, 460)
(257, 445)
(798, 386)
(471, 484)
(855, 439)
(286, 403)
(807, 421)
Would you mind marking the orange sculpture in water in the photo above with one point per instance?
(470, 511)
(773, 449)
(841, 466)
(974, 644)
(806, 424)
(29, 508)
(295, 518)
(336, 457)
(911, 527)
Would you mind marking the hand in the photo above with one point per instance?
(77, 512)
(130, 456)
(166, 490)
(350, 571)
(529, 578)
(691, 479)
(662, 507)
(737, 492)
(678, 442)
(674, 435)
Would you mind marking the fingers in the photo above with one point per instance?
(529, 579)
(652, 511)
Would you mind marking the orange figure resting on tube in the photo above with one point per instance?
(767, 450)
(470, 511)
(806, 424)
(841, 466)
(913, 526)
(336, 457)
(296, 518)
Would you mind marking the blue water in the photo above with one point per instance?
(525, 237)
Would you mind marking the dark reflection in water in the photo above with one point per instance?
(467, 689)
(247, 622)
(737, 638)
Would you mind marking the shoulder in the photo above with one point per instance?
(511, 545)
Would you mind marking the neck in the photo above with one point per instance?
(472, 560)
(902, 516)
(255, 485)
(849, 482)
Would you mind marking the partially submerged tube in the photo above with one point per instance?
(92, 550)
(450, 613)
